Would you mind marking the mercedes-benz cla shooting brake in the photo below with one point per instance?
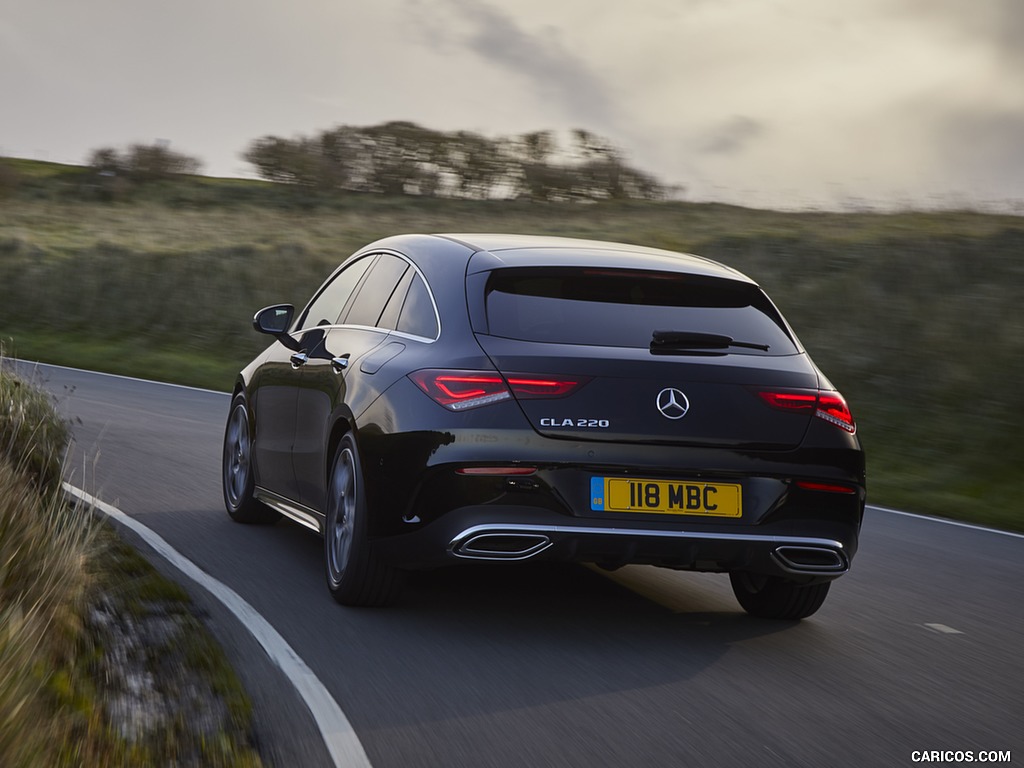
(502, 398)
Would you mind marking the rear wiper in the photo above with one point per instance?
(667, 342)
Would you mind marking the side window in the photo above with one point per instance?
(369, 303)
(327, 306)
(418, 316)
(389, 318)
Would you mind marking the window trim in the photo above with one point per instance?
(297, 328)
(433, 304)
(372, 302)
(390, 331)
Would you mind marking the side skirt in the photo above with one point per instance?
(301, 514)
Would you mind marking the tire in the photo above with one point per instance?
(237, 480)
(354, 575)
(772, 597)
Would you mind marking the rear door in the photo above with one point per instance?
(360, 357)
(278, 381)
(719, 343)
(331, 377)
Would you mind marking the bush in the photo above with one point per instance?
(32, 436)
(142, 162)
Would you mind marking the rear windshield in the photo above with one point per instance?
(623, 308)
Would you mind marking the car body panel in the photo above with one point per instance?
(415, 453)
(723, 407)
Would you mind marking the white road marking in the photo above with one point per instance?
(339, 737)
(943, 520)
(943, 629)
(116, 376)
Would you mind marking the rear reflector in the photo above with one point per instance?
(824, 487)
(829, 406)
(459, 390)
(496, 471)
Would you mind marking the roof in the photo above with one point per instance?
(543, 250)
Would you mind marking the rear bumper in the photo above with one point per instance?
(794, 556)
(468, 535)
(429, 513)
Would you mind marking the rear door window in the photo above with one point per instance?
(623, 308)
(375, 291)
(389, 317)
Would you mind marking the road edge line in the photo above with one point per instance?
(39, 363)
(946, 521)
(339, 736)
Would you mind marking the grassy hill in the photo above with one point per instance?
(914, 316)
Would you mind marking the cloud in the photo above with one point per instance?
(984, 149)
(1010, 16)
(553, 72)
(732, 136)
(765, 102)
(998, 24)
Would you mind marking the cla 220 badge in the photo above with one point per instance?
(579, 423)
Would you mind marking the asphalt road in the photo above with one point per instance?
(920, 647)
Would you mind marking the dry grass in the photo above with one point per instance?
(32, 437)
(44, 546)
(57, 563)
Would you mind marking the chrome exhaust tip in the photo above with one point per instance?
(500, 546)
(806, 559)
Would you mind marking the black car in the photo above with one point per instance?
(508, 398)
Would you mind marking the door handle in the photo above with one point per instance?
(339, 364)
(299, 359)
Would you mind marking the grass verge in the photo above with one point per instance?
(126, 357)
(85, 679)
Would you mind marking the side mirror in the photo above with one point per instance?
(274, 320)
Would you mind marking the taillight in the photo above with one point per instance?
(829, 406)
(833, 409)
(790, 401)
(462, 390)
(540, 387)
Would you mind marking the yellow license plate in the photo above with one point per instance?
(666, 497)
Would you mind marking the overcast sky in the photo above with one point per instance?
(777, 103)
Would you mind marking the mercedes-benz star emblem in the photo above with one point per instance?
(672, 403)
